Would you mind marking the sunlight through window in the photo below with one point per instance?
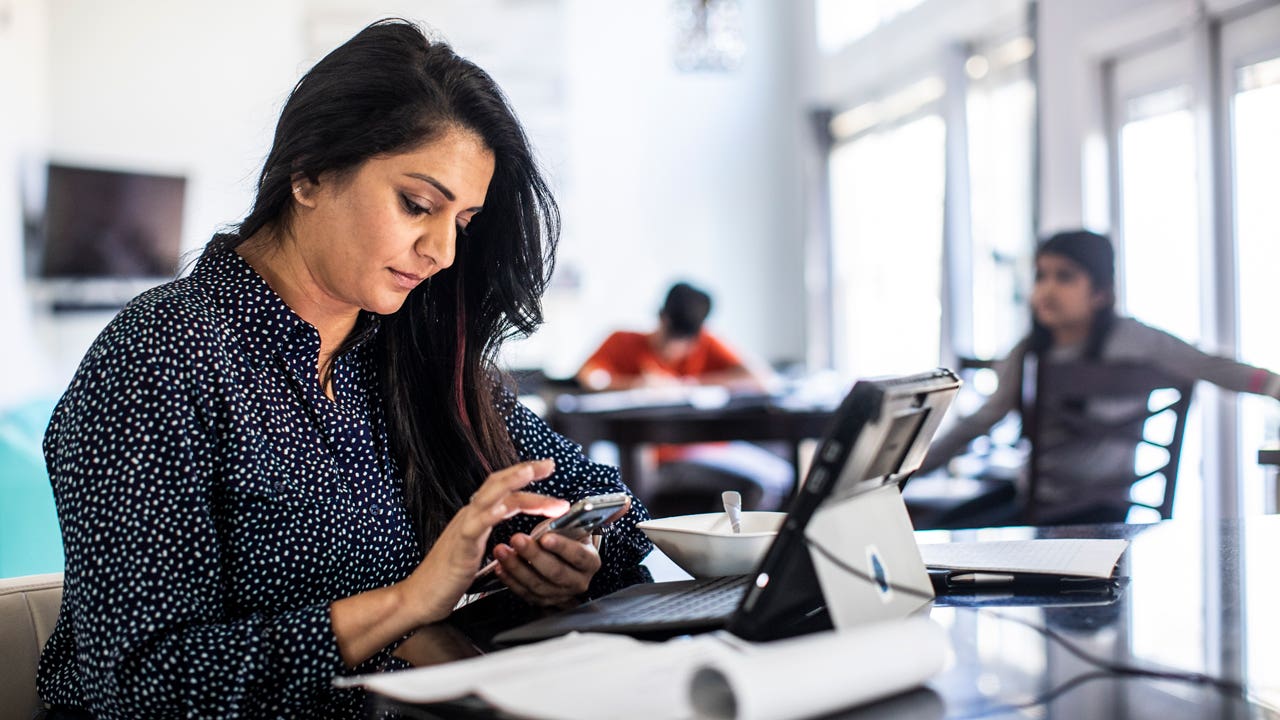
(886, 216)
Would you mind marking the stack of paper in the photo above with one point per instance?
(589, 676)
(1087, 558)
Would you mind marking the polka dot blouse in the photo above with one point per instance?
(214, 503)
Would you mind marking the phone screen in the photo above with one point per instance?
(581, 519)
(588, 514)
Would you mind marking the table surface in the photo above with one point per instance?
(1178, 610)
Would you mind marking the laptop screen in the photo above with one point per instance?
(879, 435)
(888, 423)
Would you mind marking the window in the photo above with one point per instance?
(1159, 219)
(886, 225)
(1251, 74)
(1159, 240)
(1000, 109)
(1251, 67)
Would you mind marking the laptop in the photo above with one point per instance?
(847, 515)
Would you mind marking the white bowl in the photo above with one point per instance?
(706, 546)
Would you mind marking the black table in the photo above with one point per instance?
(633, 428)
(1182, 610)
(1271, 456)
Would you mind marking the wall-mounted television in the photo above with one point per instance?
(109, 224)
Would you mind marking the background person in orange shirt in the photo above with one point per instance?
(680, 352)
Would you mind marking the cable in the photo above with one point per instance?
(1041, 699)
(1113, 668)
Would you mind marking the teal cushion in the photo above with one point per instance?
(30, 541)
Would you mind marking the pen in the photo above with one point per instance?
(1030, 581)
(976, 578)
(492, 564)
(488, 568)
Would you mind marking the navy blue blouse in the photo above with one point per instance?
(214, 503)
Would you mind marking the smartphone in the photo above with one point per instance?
(581, 519)
(585, 516)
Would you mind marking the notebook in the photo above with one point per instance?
(875, 440)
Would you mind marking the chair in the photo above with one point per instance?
(30, 540)
(28, 610)
(1156, 421)
(1158, 418)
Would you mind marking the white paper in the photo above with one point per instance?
(1078, 557)
(592, 676)
(698, 396)
(581, 676)
(819, 674)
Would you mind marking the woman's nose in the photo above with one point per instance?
(439, 243)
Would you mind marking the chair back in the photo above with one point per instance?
(28, 610)
(1065, 388)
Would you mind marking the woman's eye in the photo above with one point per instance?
(412, 207)
(464, 224)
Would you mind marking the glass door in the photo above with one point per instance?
(1251, 79)
(1158, 239)
(1000, 104)
(886, 229)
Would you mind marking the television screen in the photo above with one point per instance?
(108, 224)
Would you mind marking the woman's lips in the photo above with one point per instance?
(408, 281)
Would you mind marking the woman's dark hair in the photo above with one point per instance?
(1095, 255)
(389, 90)
(684, 310)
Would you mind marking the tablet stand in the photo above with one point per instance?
(871, 534)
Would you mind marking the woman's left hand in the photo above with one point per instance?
(552, 570)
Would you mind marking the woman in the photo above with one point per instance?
(270, 472)
(1073, 318)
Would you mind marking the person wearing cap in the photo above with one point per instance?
(1074, 318)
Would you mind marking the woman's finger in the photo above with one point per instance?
(476, 520)
(562, 575)
(528, 503)
(516, 477)
(580, 554)
(512, 565)
(530, 596)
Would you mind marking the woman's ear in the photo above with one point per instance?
(304, 189)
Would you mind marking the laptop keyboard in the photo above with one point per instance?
(708, 599)
(647, 609)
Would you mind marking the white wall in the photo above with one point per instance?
(908, 47)
(677, 175)
(148, 86)
(661, 174)
(189, 88)
(23, 122)
(1075, 38)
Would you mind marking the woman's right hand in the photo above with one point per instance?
(434, 587)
